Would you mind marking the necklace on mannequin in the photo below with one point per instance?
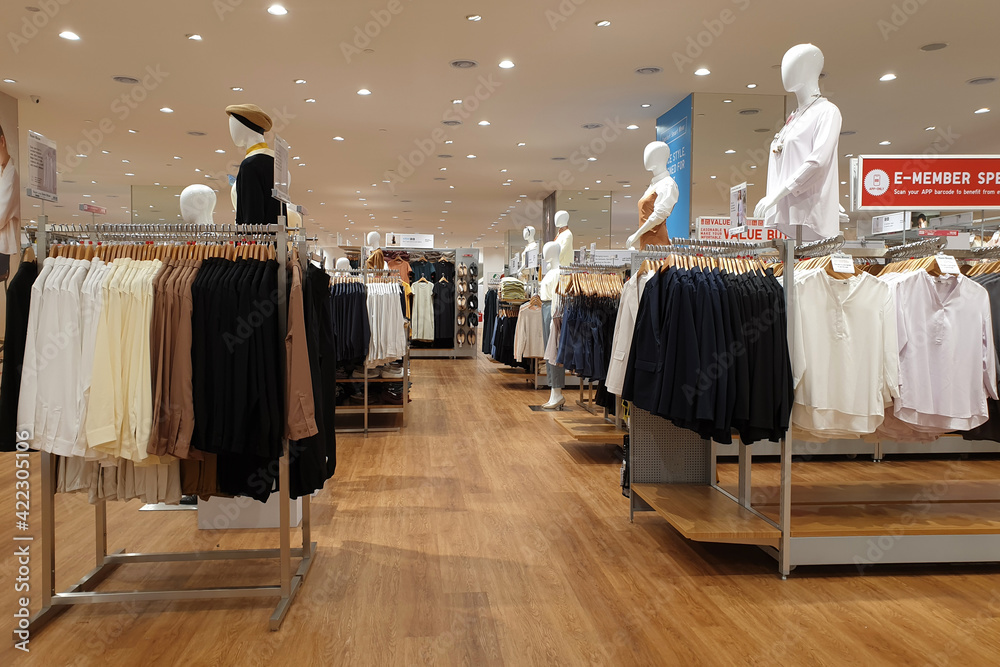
(779, 138)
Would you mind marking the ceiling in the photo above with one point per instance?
(568, 72)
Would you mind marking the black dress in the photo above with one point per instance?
(444, 314)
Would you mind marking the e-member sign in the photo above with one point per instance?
(932, 182)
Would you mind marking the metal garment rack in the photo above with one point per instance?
(83, 592)
(365, 274)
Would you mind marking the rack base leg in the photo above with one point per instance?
(89, 582)
(285, 603)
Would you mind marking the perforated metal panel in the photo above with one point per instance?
(661, 453)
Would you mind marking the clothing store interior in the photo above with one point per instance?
(391, 333)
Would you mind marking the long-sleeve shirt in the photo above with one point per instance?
(804, 160)
(947, 360)
(529, 339)
(624, 328)
(845, 368)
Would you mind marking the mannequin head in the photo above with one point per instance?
(800, 70)
(374, 240)
(242, 135)
(529, 234)
(198, 204)
(343, 264)
(562, 219)
(550, 253)
(655, 157)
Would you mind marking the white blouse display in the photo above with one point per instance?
(844, 366)
(803, 159)
(624, 328)
(947, 360)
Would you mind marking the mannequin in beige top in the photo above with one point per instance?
(659, 200)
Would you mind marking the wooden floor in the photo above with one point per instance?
(483, 535)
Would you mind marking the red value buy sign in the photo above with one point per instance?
(932, 182)
(717, 229)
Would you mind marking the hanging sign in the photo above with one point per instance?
(718, 229)
(42, 158)
(929, 182)
(393, 240)
(90, 208)
(280, 191)
(738, 209)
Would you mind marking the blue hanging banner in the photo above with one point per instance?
(674, 129)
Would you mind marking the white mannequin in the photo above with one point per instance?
(374, 242)
(810, 207)
(198, 204)
(564, 237)
(343, 264)
(529, 236)
(547, 291)
(655, 157)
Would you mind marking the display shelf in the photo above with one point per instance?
(360, 409)
(702, 514)
(361, 380)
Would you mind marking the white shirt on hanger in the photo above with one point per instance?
(624, 329)
(804, 161)
(844, 366)
(947, 360)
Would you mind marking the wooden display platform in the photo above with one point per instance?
(889, 508)
(703, 514)
(586, 427)
(863, 509)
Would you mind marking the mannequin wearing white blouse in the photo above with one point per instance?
(802, 172)
(564, 237)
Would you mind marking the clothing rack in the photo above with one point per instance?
(918, 249)
(367, 277)
(289, 581)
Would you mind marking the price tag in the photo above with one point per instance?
(842, 263)
(947, 264)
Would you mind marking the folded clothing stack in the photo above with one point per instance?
(511, 289)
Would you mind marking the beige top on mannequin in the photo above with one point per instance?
(198, 204)
(658, 201)
(564, 237)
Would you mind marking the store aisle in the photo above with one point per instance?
(479, 535)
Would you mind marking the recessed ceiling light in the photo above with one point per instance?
(71, 36)
(9, 81)
(236, 89)
(848, 133)
(166, 110)
(443, 169)
(982, 81)
(503, 171)
(983, 110)
(592, 159)
(727, 101)
(702, 71)
(106, 152)
(277, 10)
(645, 106)
(125, 161)
(474, 17)
(934, 46)
(520, 144)
(471, 156)
(632, 127)
(449, 142)
(649, 70)
(300, 81)
(506, 64)
(310, 100)
(219, 150)
(129, 173)
(177, 157)
(603, 24)
(364, 91)
(730, 151)
(885, 143)
(80, 155)
(751, 86)
(929, 128)
(194, 37)
(887, 77)
(484, 123)
(338, 138)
